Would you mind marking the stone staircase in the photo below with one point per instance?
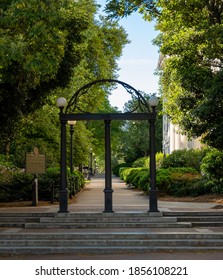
(198, 219)
(107, 221)
(103, 233)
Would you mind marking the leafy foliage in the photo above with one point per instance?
(40, 46)
(212, 168)
(135, 137)
(185, 158)
(122, 8)
(171, 181)
(63, 47)
(191, 44)
(15, 185)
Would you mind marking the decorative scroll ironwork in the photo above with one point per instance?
(142, 103)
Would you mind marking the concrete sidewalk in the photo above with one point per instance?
(91, 199)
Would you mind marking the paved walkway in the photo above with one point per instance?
(91, 199)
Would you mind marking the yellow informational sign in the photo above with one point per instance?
(35, 163)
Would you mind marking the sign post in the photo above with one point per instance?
(35, 164)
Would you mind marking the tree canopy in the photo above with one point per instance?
(191, 44)
(50, 49)
(40, 45)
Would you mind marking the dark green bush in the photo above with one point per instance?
(189, 185)
(181, 181)
(185, 158)
(141, 162)
(163, 180)
(115, 170)
(137, 177)
(75, 182)
(212, 165)
(16, 185)
(131, 177)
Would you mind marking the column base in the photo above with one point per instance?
(153, 201)
(63, 201)
(108, 201)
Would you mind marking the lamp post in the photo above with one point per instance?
(61, 103)
(71, 123)
(95, 164)
(153, 102)
(90, 165)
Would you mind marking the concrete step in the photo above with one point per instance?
(20, 219)
(90, 220)
(115, 219)
(192, 213)
(112, 242)
(101, 250)
(112, 220)
(41, 235)
(198, 219)
(69, 225)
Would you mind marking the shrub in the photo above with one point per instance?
(163, 180)
(212, 165)
(122, 172)
(181, 182)
(144, 181)
(185, 158)
(145, 161)
(212, 169)
(132, 174)
(116, 169)
(126, 173)
(17, 185)
(141, 162)
(75, 183)
(188, 185)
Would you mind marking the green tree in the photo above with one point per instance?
(40, 45)
(191, 78)
(121, 8)
(101, 45)
(191, 40)
(135, 135)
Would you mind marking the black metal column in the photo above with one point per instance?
(63, 167)
(71, 148)
(153, 189)
(108, 179)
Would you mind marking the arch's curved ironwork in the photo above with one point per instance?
(142, 103)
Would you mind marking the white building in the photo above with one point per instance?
(174, 140)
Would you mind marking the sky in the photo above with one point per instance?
(139, 59)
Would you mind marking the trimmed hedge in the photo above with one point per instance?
(184, 172)
(172, 181)
(116, 169)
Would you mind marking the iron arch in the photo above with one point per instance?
(73, 112)
(142, 103)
